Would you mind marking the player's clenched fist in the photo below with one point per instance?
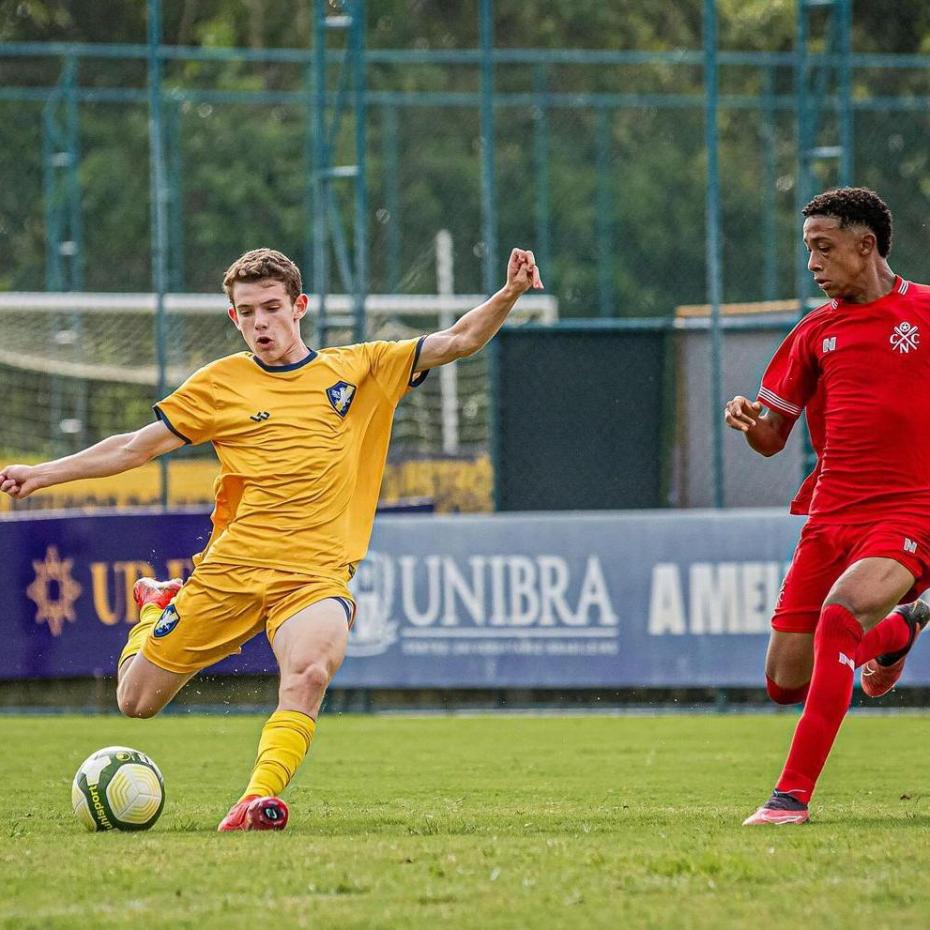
(742, 413)
(18, 480)
(522, 271)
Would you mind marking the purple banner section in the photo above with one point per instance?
(670, 599)
(68, 583)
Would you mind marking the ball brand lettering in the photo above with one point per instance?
(99, 809)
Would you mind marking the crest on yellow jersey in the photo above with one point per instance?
(168, 620)
(341, 395)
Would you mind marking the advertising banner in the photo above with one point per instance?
(610, 599)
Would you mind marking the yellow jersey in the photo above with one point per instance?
(302, 449)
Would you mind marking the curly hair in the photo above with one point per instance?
(856, 206)
(259, 265)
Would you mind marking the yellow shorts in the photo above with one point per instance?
(221, 607)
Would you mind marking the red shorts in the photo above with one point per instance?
(826, 550)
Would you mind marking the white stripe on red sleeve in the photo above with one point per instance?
(771, 399)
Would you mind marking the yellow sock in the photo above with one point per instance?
(140, 632)
(285, 740)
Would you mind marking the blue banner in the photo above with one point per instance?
(672, 599)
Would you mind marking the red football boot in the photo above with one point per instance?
(255, 813)
(149, 591)
(780, 808)
(880, 675)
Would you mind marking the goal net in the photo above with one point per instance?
(76, 367)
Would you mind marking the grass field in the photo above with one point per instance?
(522, 822)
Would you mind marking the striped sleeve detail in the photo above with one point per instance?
(903, 286)
(771, 399)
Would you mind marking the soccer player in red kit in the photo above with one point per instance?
(860, 368)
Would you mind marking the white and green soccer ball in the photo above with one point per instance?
(118, 788)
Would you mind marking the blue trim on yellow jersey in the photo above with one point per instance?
(415, 379)
(280, 368)
(161, 415)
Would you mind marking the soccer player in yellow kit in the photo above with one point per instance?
(302, 438)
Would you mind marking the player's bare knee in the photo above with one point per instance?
(135, 704)
(865, 609)
(779, 676)
(784, 676)
(788, 690)
(131, 706)
(308, 679)
(789, 663)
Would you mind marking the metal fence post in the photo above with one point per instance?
(158, 190)
(360, 276)
(769, 201)
(391, 174)
(488, 195)
(541, 170)
(714, 276)
(604, 249)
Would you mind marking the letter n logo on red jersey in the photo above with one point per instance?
(910, 545)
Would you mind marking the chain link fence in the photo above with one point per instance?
(598, 151)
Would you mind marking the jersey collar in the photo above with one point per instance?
(900, 286)
(278, 369)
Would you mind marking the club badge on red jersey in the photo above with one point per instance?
(904, 338)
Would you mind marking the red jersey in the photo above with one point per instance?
(862, 372)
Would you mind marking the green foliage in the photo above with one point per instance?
(240, 170)
(492, 822)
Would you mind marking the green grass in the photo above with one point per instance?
(485, 822)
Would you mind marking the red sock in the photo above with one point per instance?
(835, 642)
(782, 695)
(890, 635)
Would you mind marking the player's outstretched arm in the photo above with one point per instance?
(108, 457)
(766, 433)
(475, 329)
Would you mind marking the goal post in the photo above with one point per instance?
(75, 367)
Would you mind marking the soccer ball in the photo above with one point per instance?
(118, 788)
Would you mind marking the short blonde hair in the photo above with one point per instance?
(260, 264)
